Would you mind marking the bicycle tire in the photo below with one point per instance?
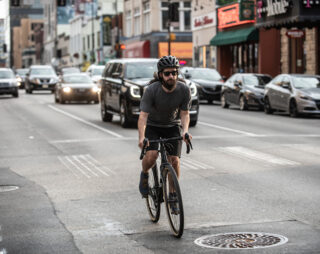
(153, 199)
(176, 221)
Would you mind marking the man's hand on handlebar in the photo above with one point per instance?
(187, 137)
(142, 141)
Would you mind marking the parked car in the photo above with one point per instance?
(41, 77)
(95, 72)
(293, 93)
(8, 82)
(209, 82)
(244, 90)
(123, 82)
(21, 77)
(76, 87)
(69, 70)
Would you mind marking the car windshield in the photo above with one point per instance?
(140, 70)
(97, 71)
(306, 82)
(70, 70)
(207, 74)
(42, 71)
(6, 74)
(22, 71)
(77, 79)
(251, 80)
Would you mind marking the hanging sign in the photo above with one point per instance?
(295, 33)
(272, 7)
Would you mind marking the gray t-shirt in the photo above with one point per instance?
(163, 107)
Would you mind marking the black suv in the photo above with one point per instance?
(122, 86)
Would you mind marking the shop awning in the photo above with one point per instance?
(235, 36)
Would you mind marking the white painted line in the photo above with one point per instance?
(66, 165)
(87, 159)
(77, 167)
(3, 251)
(229, 129)
(185, 164)
(256, 155)
(198, 164)
(85, 122)
(77, 158)
(93, 159)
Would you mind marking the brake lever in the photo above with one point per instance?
(143, 150)
(189, 145)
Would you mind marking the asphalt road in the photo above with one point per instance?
(78, 181)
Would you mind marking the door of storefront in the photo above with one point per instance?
(297, 57)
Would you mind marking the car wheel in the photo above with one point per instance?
(224, 103)
(243, 103)
(293, 109)
(105, 116)
(124, 120)
(193, 123)
(15, 94)
(61, 99)
(267, 106)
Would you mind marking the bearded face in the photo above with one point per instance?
(169, 78)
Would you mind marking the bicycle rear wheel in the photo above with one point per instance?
(153, 200)
(173, 201)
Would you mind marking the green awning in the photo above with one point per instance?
(235, 36)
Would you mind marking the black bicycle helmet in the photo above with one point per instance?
(168, 62)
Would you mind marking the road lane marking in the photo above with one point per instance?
(99, 166)
(85, 122)
(256, 155)
(193, 164)
(86, 165)
(229, 129)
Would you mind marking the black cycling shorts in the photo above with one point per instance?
(173, 147)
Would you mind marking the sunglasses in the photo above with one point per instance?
(167, 73)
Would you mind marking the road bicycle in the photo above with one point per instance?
(165, 188)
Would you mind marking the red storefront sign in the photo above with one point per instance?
(228, 16)
(295, 33)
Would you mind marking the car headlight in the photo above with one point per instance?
(53, 80)
(95, 89)
(193, 89)
(19, 79)
(66, 89)
(306, 97)
(135, 91)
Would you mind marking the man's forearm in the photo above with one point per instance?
(185, 120)
(142, 122)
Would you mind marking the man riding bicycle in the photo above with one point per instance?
(164, 113)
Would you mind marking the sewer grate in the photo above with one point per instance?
(5, 188)
(251, 240)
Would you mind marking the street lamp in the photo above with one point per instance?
(92, 30)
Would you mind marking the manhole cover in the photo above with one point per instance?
(241, 240)
(5, 188)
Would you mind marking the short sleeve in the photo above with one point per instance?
(186, 102)
(146, 101)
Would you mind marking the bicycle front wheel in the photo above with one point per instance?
(173, 200)
(153, 200)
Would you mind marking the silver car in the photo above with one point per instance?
(8, 82)
(293, 93)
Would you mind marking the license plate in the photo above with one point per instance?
(45, 86)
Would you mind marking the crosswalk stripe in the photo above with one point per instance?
(85, 165)
(256, 155)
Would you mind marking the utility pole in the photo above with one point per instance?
(92, 28)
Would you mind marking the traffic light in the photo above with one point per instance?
(174, 12)
(172, 36)
(15, 2)
(61, 2)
